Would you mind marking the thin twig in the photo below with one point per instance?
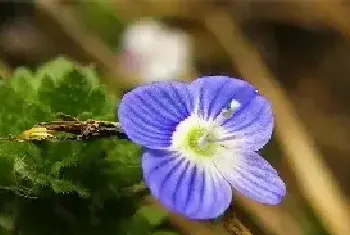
(315, 180)
(233, 225)
(275, 220)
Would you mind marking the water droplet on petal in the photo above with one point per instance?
(234, 105)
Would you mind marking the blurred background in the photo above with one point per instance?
(296, 52)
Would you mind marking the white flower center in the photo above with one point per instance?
(198, 139)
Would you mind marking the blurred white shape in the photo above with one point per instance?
(155, 52)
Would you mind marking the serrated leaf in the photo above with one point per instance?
(55, 69)
(22, 83)
(65, 186)
(64, 169)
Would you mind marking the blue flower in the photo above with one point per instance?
(200, 141)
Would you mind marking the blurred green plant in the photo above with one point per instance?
(100, 17)
(64, 187)
(148, 220)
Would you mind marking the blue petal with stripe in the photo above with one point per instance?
(150, 114)
(251, 124)
(252, 176)
(194, 190)
(214, 93)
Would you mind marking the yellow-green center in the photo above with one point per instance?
(199, 142)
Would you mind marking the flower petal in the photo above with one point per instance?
(251, 126)
(150, 114)
(252, 176)
(214, 93)
(194, 190)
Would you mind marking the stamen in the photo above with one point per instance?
(204, 140)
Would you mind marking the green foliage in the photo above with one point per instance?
(146, 221)
(75, 183)
(152, 215)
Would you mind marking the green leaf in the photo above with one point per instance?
(55, 69)
(145, 221)
(65, 186)
(61, 86)
(154, 216)
(71, 174)
(22, 83)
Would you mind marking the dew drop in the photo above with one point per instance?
(234, 105)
